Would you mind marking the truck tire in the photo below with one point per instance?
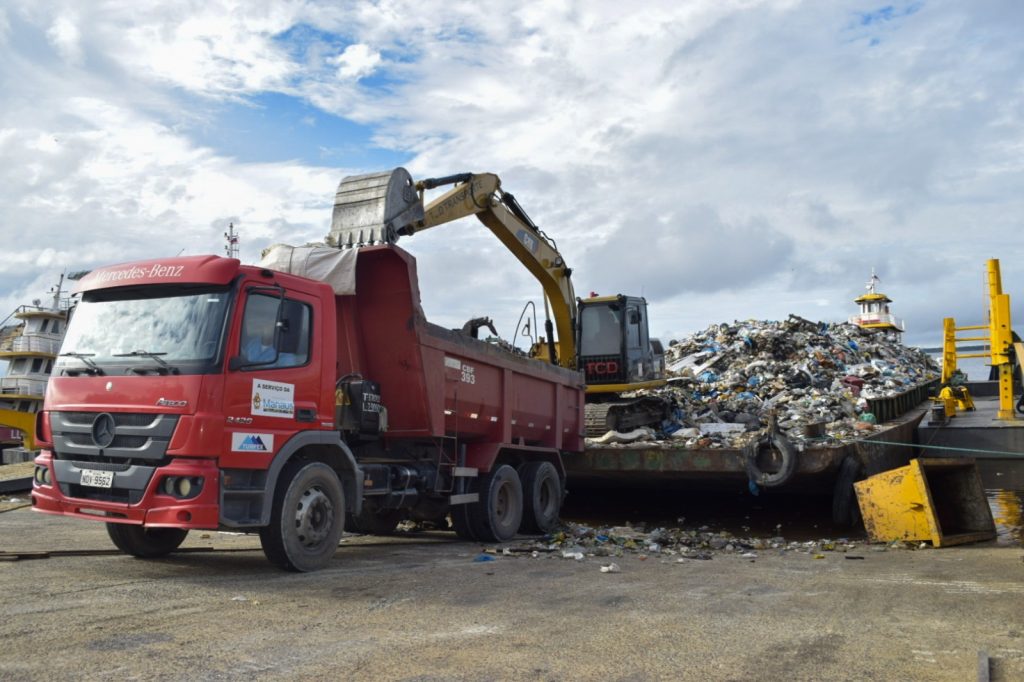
(498, 514)
(145, 543)
(845, 510)
(461, 525)
(542, 497)
(307, 519)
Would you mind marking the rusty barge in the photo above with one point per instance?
(823, 467)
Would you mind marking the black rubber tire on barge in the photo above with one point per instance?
(542, 497)
(774, 442)
(845, 510)
(145, 543)
(307, 518)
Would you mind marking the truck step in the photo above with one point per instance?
(465, 498)
(465, 472)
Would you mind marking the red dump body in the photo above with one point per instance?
(437, 382)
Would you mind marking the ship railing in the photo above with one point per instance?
(33, 343)
(9, 386)
(875, 318)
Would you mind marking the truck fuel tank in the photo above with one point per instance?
(358, 408)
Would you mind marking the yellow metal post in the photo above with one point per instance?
(995, 278)
(948, 349)
(1002, 346)
(1000, 338)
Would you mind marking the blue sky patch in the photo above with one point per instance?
(888, 13)
(873, 26)
(274, 127)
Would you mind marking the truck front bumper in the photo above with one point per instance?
(156, 508)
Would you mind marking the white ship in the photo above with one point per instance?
(29, 345)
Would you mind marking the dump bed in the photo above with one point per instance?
(438, 383)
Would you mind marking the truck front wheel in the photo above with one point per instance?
(307, 519)
(145, 543)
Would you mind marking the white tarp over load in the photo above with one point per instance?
(336, 267)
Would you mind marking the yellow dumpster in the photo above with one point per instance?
(940, 500)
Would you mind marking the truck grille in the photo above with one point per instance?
(120, 495)
(125, 437)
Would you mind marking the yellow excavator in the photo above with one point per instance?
(605, 337)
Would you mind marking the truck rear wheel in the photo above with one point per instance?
(307, 519)
(462, 522)
(498, 514)
(542, 497)
(145, 543)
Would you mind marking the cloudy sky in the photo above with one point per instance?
(726, 159)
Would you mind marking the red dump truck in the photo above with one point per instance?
(199, 393)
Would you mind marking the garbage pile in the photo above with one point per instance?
(580, 542)
(729, 382)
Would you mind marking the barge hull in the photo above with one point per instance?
(724, 468)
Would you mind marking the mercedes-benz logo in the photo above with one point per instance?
(103, 430)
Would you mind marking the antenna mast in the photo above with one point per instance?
(231, 237)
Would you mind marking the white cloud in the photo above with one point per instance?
(64, 36)
(730, 159)
(357, 61)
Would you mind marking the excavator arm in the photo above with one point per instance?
(381, 207)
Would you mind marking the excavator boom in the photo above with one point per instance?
(612, 349)
(381, 207)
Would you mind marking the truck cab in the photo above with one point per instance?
(199, 393)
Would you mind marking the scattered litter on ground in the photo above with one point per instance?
(816, 378)
(611, 568)
(480, 558)
(579, 542)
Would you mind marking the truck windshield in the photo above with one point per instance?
(601, 330)
(118, 330)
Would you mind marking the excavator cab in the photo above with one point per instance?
(617, 355)
(616, 352)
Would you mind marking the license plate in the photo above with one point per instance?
(97, 479)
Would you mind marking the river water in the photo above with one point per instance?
(1004, 486)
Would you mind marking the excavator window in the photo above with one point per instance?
(633, 329)
(601, 330)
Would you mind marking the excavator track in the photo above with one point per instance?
(625, 415)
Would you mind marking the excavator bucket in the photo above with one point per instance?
(373, 208)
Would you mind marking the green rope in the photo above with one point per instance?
(981, 454)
